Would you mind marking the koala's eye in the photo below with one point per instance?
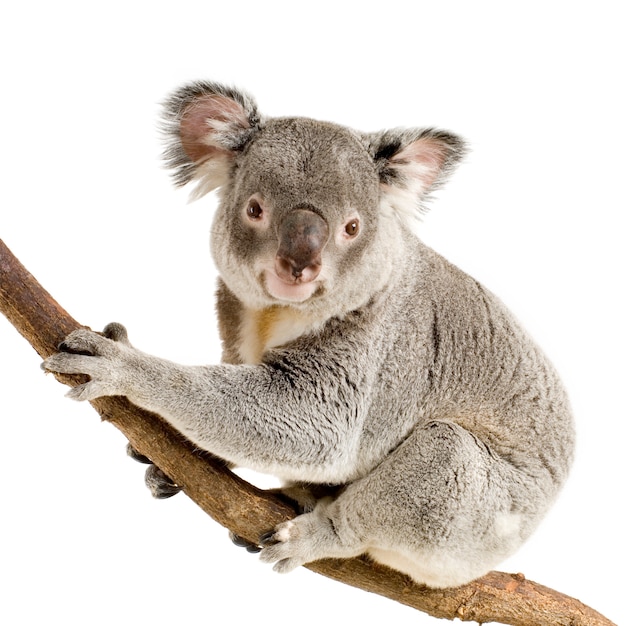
(352, 228)
(254, 210)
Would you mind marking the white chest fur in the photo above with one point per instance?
(270, 328)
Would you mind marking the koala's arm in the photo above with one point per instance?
(295, 416)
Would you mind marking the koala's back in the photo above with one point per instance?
(455, 353)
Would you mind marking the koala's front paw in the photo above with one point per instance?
(100, 356)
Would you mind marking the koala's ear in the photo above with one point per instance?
(412, 163)
(205, 126)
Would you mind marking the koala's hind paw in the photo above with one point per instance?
(282, 548)
(306, 538)
(310, 537)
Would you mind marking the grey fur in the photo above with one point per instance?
(184, 169)
(394, 378)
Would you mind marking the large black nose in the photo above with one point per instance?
(302, 235)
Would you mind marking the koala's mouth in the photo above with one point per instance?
(293, 291)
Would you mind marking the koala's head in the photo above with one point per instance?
(310, 212)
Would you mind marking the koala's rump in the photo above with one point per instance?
(441, 508)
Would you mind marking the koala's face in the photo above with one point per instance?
(311, 213)
(299, 216)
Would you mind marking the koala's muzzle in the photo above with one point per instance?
(302, 235)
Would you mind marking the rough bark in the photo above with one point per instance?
(249, 511)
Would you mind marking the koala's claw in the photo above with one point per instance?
(102, 357)
(137, 456)
(285, 548)
(64, 347)
(84, 341)
(240, 542)
(267, 539)
(161, 486)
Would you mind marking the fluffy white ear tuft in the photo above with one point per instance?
(411, 164)
(205, 126)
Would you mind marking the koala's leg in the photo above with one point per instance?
(439, 508)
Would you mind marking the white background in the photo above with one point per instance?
(536, 213)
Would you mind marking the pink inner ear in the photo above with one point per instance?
(423, 159)
(201, 122)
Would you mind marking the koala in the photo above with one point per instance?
(417, 420)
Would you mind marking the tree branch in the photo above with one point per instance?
(249, 512)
